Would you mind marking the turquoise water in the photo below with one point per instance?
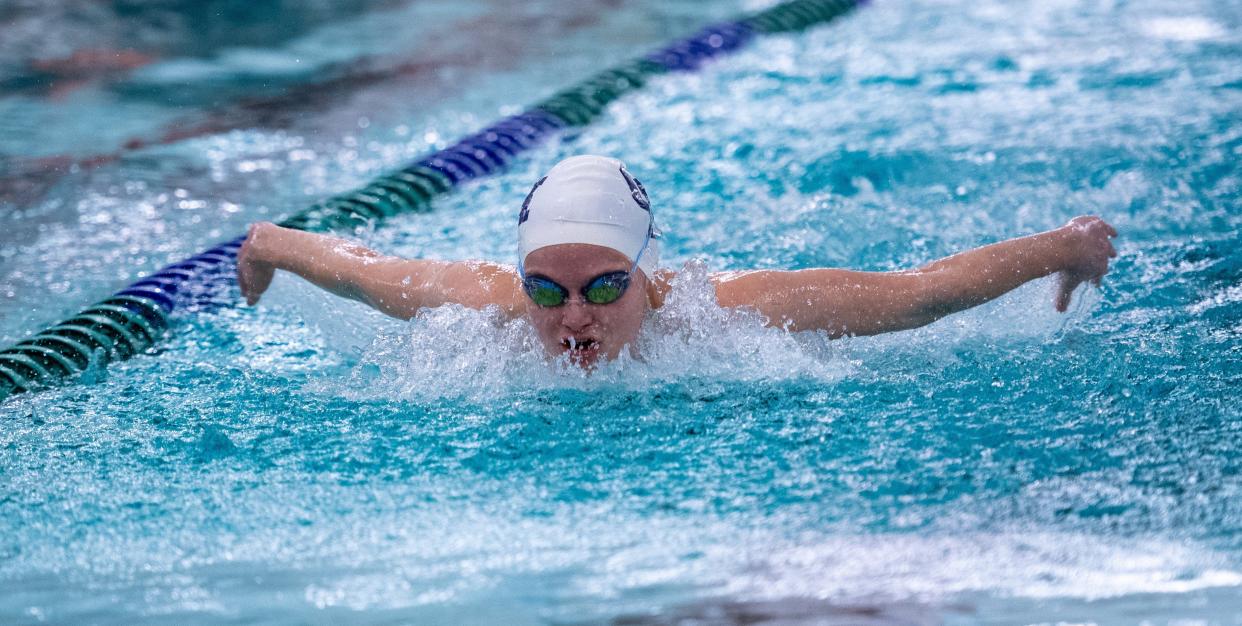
(309, 461)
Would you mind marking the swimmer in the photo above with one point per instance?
(588, 272)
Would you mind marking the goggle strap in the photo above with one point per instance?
(642, 250)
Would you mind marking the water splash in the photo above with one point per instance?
(453, 352)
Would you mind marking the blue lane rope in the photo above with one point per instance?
(135, 318)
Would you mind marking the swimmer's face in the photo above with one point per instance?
(595, 330)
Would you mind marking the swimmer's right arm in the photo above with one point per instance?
(394, 286)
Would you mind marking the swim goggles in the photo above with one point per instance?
(603, 289)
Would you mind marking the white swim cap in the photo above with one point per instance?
(590, 199)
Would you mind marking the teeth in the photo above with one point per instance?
(574, 344)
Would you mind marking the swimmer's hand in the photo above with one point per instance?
(254, 273)
(1086, 254)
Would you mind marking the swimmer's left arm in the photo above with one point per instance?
(846, 302)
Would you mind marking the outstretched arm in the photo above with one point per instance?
(394, 286)
(845, 302)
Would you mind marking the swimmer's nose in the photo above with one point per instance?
(576, 315)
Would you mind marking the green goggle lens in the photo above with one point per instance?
(603, 293)
(604, 289)
(546, 296)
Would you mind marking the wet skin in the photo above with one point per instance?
(839, 302)
(585, 330)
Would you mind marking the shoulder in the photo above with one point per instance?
(479, 284)
(728, 285)
(743, 287)
(658, 286)
(734, 287)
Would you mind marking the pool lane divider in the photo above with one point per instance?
(135, 318)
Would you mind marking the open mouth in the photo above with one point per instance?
(583, 345)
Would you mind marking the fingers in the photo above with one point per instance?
(254, 281)
(1093, 249)
(246, 269)
(247, 289)
(1064, 290)
(245, 280)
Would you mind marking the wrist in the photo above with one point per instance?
(1069, 245)
(264, 242)
(1064, 246)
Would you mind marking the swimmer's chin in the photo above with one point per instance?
(591, 355)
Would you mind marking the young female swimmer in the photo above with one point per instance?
(587, 271)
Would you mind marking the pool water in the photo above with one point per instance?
(307, 460)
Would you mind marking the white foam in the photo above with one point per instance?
(1183, 28)
(453, 352)
(456, 352)
(1036, 564)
